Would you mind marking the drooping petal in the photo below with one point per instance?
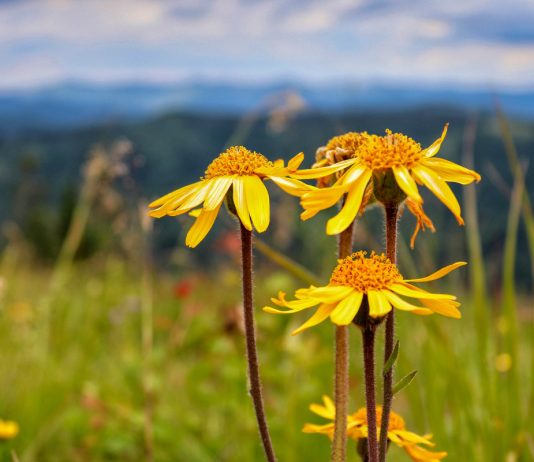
(443, 307)
(293, 305)
(307, 214)
(441, 189)
(319, 316)
(257, 202)
(449, 171)
(174, 195)
(403, 289)
(197, 196)
(294, 187)
(407, 183)
(313, 173)
(327, 294)
(352, 174)
(175, 200)
(346, 309)
(322, 198)
(217, 192)
(439, 273)
(351, 207)
(413, 438)
(433, 149)
(326, 410)
(327, 429)
(402, 304)
(201, 226)
(240, 202)
(378, 304)
(419, 454)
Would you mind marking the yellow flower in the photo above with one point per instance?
(373, 279)
(357, 428)
(239, 173)
(374, 159)
(8, 429)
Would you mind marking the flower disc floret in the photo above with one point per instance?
(363, 273)
(396, 422)
(236, 160)
(390, 151)
(349, 142)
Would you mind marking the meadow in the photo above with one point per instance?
(127, 355)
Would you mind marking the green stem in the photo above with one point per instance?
(392, 214)
(341, 381)
(368, 334)
(250, 336)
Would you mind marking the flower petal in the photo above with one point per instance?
(295, 161)
(407, 183)
(443, 307)
(449, 171)
(195, 198)
(433, 149)
(240, 202)
(322, 198)
(402, 304)
(352, 174)
(174, 195)
(403, 289)
(378, 304)
(312, 173)
(439, 273)
(328, 410)
(201, 226)
(441, 189)
(217, 192)
(346, 309)
(291, 186)
(326, 294)
(351, 207)
(257, 202)
(319, 316)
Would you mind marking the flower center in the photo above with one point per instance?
(348, 142)
(236, 160)
(396, 422)
(365, 273)
(389, 151)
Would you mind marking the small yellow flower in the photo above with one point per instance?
(239, 173)
(8, 429)
(357, 428)
(375, 279)
(373, 160)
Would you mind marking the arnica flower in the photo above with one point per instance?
(357, 429)
(236, 174)
(395, 164)
(373, 279)
(8, 429)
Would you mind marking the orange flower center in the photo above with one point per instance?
(236, 160)
(349, 142)
(396, 422)
(389, 151)
(365, 273)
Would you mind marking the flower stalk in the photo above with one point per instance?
(392, 214)
(368, 335)
(250, 336)
(341, 380)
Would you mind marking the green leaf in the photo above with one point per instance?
(392, 359)
(404, 382)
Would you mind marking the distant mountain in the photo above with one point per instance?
(75, 104)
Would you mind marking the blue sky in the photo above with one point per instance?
(480, 43)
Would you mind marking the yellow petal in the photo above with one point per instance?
(352, 174)
(449, 171)
(402, 304)
(328, 294)
(433, 149)
(378, 304)
(257, 202)
(196, 197)
(217, 191)
(291, 186)
(326, 429)
(351, 207)
(195, 213)
(402, 289)
(240, 202)
(295, 162)
(441, 189)
(319, 316)
(201, 227)
(443, 307)
(322, 198)
(173, 195)
(439, 273)
(407, 183)
(174, 200)
(419, 454)
(328, 411)
(413, 437)
(312, 173)
(307, 214)
(346, 309)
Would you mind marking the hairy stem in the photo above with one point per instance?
(250, 335)
(368, 334)
(341, 381)
(392, 214)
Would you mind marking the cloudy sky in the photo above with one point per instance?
(462, 42)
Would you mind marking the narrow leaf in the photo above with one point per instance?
(392, 359)
(404, 382)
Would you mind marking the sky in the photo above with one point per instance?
(468, 43)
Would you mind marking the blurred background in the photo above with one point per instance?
(119, 343)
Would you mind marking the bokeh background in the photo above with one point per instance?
(119, 343)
